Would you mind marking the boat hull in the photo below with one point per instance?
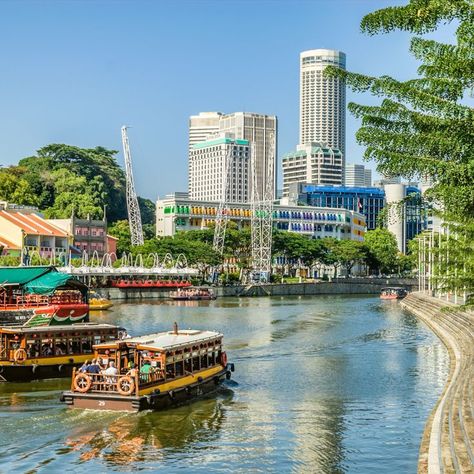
(54, 314)
(156, 400)
(391, 297)
(28, 373)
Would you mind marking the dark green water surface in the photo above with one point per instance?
(324, 384)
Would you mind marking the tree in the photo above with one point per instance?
(423, 128)
(121, 230)
(14, 188)
(382, 250)
(350, 252)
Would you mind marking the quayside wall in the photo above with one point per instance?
(338, 286)
(447, 442)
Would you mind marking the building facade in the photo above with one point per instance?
(27, 233)
(312, 163)
(259, 129)
(357, 176)
(207, 170)
(89, 235)
(322, 99)
(179, 213)
(368, 201)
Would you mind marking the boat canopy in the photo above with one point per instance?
(164, 341)
(39, 280)
(70, 328)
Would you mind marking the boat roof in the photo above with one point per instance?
(58, 328)
(169, 340)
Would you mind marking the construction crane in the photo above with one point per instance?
(134, 216)
(222, 215)
(262, 218)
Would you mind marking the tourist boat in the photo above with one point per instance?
(98, 303)
(31, 353)
(192, 294)
(41, 296)
(148, 283)
(393, 293)
(152, 372)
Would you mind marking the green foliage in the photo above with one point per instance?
(423, 127)
(121, 230)
(382, 250)
(147, 211)
(14, 188)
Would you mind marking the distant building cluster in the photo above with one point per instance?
(316, 178)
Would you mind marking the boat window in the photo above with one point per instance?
(47, 349)
(86, 345)
(60, 346)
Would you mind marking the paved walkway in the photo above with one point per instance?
(448, 439)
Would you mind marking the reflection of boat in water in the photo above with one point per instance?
(154, 372)
(193, 294)
(393, 293)
(149, 283)
(133, 438)
(49, 351)
(41, 296)
(98, 303)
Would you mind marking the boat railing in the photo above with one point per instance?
(85, 382)
(40, 300)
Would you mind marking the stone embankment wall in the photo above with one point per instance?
(447, 443)
(338, 286)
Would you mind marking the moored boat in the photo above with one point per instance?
(32, 353)
(149, 283)
(98, 303)
(393, 293)
(193, 294)
(152, 372)
(41, 296)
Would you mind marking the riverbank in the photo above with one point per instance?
(449, 432)
(340, 286)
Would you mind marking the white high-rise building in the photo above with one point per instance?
(322, 100)
(357, 176)
(260, 130)
(312, 163)
(207, 169)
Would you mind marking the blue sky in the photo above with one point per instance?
(75, 71)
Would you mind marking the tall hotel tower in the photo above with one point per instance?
(259, 129)
(322, 100)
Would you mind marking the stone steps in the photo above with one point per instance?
(449, 432)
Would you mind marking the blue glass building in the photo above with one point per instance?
(368, 201)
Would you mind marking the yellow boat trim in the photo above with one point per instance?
(57, 360)
(183, 382)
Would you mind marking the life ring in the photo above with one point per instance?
(125, 385)
(224, 359)
(20, 355)
(82, 383)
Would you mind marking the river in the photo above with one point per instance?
(325, 384)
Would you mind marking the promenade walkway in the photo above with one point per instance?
(448, 439)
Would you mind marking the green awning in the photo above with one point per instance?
(21, 275)
(48, 283)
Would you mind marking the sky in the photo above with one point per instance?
(75, 71)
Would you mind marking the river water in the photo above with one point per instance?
(325, 384)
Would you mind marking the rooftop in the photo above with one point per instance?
(220, 141)
(32, 224)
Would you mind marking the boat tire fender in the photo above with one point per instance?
(216, 380)
(125, 385)
(232, 367)
(199, 379)
(228, 375)
(82, 383)
(20, 355)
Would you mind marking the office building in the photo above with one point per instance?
(367, 200)
(177, 212)
(312, 163)
(207, 169)
(357, 176)
(260, 130)
(322, 99)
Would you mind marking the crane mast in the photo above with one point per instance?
(134, 216)
(262, 218)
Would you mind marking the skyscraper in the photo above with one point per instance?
(258, 129)
(358, 176)
(322, 99)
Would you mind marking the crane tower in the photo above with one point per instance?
(262, 218)
(134, 216)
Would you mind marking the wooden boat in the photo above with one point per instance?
(146, 283)
(192, 294)
(152, 372)
(98, 303)
(31, 353)
(41, 296)
(393, 293)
